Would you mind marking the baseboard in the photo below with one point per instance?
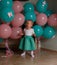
(49, 50)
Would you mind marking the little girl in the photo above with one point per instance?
(27, 42)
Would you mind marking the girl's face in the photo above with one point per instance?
(29, 24)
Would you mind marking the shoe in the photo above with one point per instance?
(23, 54)
(32, 56)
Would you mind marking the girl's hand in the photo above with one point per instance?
(34, 35)
(21, 34)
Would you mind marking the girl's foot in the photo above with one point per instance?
(32, 54)
(23, 54)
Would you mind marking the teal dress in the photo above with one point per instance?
(27, 42)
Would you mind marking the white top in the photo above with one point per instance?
(29, 32)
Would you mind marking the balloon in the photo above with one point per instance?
(41, 6)
(7, 15)
(0, 5)
(6, 3)
(0, 13)
(5, 31)
(28, 7)
(1, 40)
(49, 32)
(30, 16)
(16, 31)
(38, 30)
(18, 20)
(17, 6)
(52, 20)
(41, 19)
(49, 12)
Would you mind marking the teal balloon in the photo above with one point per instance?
(7, 15)
(49, 32)
(49, 12)
(6, 3)
(38, 30)
(0, 6)
(1, 40)
(41, 6)
(28, 7)
(0, 9)
(30, 16)
(0, 13)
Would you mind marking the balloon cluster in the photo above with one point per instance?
(45, 18)
(11, 19)
(14, 13)
(29, 12)
(6, 11)
(6, 16)
(18, 20)
(42, 17)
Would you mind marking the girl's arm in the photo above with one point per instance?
(21, 33)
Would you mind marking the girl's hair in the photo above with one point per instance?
(28, 21)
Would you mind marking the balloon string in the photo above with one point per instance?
(8, 50)
(6, 45)
(9, 53)
(39, 43)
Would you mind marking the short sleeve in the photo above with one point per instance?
(33, 31)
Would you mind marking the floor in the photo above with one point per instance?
(41, 58)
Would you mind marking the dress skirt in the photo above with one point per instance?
(27, 43)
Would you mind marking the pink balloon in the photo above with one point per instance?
(18, 20)
(16, 33)
(41, 19)
(52, 20)
(17, 6)
(37, 13)
(5, 31)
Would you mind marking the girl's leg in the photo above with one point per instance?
(23, 54)
(32, 54)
